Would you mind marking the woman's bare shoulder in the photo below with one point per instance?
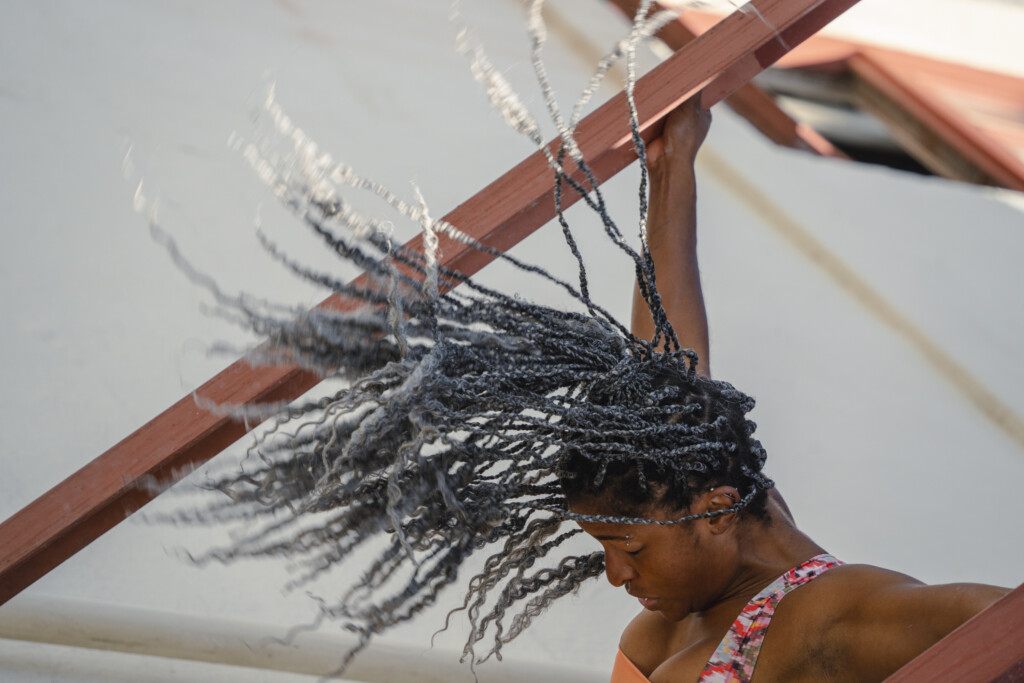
(881, 596)
(861, 596)
(875, 620)
(855, 590)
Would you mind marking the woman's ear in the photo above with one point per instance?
(717, 499)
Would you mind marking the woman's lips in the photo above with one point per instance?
(648, 603)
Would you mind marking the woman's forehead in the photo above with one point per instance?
(604, 531)
(606, 508)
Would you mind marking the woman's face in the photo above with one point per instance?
(674, 569)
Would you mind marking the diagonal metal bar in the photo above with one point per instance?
(749, 101)
(95, 498)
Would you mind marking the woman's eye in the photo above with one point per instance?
(634, 552)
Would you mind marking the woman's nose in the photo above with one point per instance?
(617, 569)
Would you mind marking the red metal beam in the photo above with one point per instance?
(98, 496)
(888, 75)
(987, 649)
(749, 101)
(931, 106)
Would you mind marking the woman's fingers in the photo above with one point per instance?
(686, 127)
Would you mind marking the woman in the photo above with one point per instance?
(473, 421)
(710, 584)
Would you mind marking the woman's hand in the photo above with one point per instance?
(684, 132)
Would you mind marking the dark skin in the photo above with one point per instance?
(853, 623)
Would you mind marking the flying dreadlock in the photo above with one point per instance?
(467, 416)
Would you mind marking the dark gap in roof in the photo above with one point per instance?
(897, 159)
(825, 102)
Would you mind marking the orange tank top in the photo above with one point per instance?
(625, 671)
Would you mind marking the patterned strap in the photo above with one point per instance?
(736, 656)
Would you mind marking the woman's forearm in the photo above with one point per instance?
(672, 233)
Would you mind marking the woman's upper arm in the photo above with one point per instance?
(895, 623)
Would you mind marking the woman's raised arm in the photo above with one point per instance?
(672, 231)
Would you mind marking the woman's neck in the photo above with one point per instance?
(780, 543)
(769, 548)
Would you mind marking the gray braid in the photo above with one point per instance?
(460, 412)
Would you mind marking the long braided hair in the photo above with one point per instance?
(464, 417)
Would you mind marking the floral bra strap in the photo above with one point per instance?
(736, 656)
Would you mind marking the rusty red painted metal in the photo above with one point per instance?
(959, 121)
(749, 101)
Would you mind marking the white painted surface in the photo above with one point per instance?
(226, 649)
(981, 33)
(880, 458)
(24, 662)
